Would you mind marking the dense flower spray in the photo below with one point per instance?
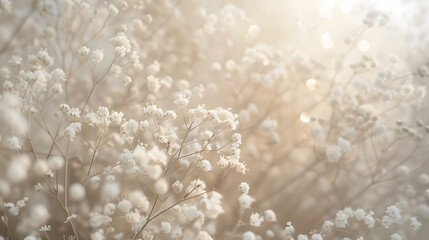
(198, 119)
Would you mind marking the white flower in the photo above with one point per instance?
(341, 219)
(190, 212)
(113, 11)
(57, 88)
(333, 153)
(109, 209)
(288, 231)
(139, 200)
(77, 192)
(245, 200)
(38, 187)
(165, 227)
(98, 235)
(41, 167)
(302, 237)
(121, 43)
(359, 214)
(386, 221)
(84, 51)
(223, 162)
(269, 125)
(129, 127)
(181, 101)
(207, 135)
(244, 187)
(344, 144)
(316, 236)
(402, 170)
(249, 236)
(241, 167)
(270, 215)
(161, 186)
(424, 178)
(72, 129)
(327, 226)
(205, 165)
(170, 115)
(256, 220)
(58, 75)
(369, 221)
(45, 228)
(13, 143)
(177, 186)
(253, 30)
(96, 56)
(30, 238)
(153, 84)
(395, 236)
(116, 117)
(395, 213)
(125, 206)
(133, 217)
(44, 58)
(203, 235)
(415, 223)
(176, 232)
(17, 170)
(98, 220)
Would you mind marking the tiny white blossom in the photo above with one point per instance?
(256, 220)
(45, 228)
(69, 218)
(96, 56)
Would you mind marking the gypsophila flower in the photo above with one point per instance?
(96, 56)
(270, 216)
(57, 88)
(58, 75)
(121, 43)
(45, 228)
(113, 11)
(138, 115)
(256, 220)
(44, 58)
(288, 231)
(153, 84)
(77, 192)
(84, 51)
(341, 219)
(415, 223)
(394, 212)
(125, 206)
(395, 236)
(72, 129)
(165, 227)
(38, 187)
(302, 237)
(245, 200)
(205, 165)
(244, 187)
(5, 5)
(177, 186)
(333, 153)
(69, 218)
(249, 236)
(13, 143)
(369, 220)
(181, 101)
(316, 236)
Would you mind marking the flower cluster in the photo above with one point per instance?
(204, 120)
